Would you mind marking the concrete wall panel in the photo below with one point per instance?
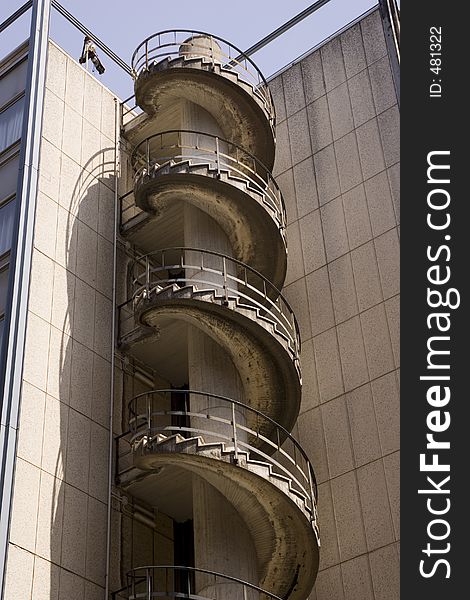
(59, 507)
(349, 362)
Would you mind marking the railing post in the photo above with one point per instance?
(116, 459)
(312, 494)
(149, 585)
(224, 268)
(235, 440)
(147, 276)
(217, 155)
(147, 141)
(118, 329)
(244, 592)
(149, 416)
(146, 55)
(296, 345)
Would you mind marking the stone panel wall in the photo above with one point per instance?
(338, 167)
(58, 529)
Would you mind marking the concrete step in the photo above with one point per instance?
(226, 72)
(205, 168)
(162, 444)
(206, 64)
(232, 302)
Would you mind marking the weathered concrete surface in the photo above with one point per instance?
(252, 229)
(240, 113)
(283, 536)
(269, 375)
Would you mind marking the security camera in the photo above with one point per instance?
(89, 53)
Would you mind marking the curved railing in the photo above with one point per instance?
(230, 278)
(176, 146)
(177, 43)
(156, 415)
(168, 581)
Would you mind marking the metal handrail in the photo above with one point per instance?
(147, 158)
(151, 273)
(153, 50)
(266, 437)
(153, 590)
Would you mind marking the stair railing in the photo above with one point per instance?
(161, 48)
(232, 278)
(219, 419)
(152, 156)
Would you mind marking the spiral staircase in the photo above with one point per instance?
(202, 152)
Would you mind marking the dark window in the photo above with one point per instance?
(7, 216)
(184, 556)
(11, 124)
(180, 403)
(4, 272)
(9, 177)
(13, 83)
(3, 289)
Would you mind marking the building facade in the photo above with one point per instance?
(338, 167)
(176, 424)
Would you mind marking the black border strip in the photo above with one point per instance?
(434, 547)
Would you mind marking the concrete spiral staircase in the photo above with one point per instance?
(254, 225)
(265, 357)
(212, 78)
(267, 501)
(146, 453)
(263, 343)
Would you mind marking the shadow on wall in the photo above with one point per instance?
(79, 498)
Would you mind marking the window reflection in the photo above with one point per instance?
(7, 215)
(3, 290)
(11, 124)
(2, 322)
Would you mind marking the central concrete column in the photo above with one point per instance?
(222, 542)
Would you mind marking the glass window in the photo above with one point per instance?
(3, 290)
(2, 322)
(11, 124)
(7, 215)
(13, 82)
(9, 177)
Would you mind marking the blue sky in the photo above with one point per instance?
(122, 24)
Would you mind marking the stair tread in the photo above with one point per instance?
(242, 306)
(201, 446)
